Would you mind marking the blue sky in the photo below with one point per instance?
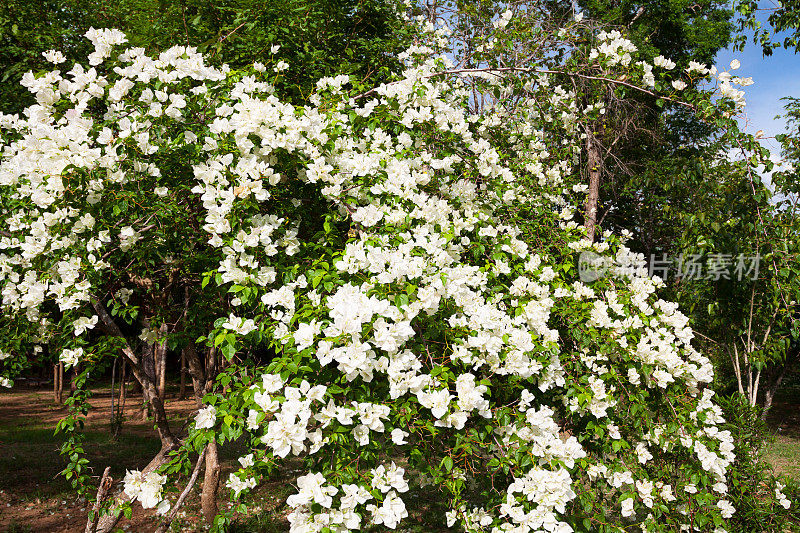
(774, 77)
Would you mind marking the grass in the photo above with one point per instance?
(784, 456)
(33, 444)
(784, 420)
(262, 522)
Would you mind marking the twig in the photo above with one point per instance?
(233, 31)
(496, 71)
(102, 491)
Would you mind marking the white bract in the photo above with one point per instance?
(404, 303)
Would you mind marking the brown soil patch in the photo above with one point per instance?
(34, 498)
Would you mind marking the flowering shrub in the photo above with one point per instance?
(371, 239)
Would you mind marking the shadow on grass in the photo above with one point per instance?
(30, 461)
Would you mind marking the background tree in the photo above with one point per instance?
(319, 38)
(765, 20)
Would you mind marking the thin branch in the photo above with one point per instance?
(496, 71)
(234, 30)
(192, 480)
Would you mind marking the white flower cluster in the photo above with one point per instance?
(368, 337)
(238, 485)
(206, 417)
(103, 41)
(55, 226)
(782, 499)
(71, 357)
(146, 488)
(389, 511)
(83, 324)
(614, 48)
(433, 307)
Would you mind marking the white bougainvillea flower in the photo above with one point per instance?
(206, 417)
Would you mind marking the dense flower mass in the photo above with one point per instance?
(371, 241)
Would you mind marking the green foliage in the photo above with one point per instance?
(751, 482)
(318, 38)
(71, 428)
(783, 17)
(30, 27)
(683, 30)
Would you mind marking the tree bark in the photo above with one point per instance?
(143, 377)
(202, 383)
(168, 440)
(772, 389)
(58, 383)
(595, 165)
(148, 368)
(211, 368)
(102, 493)
(107, 522)
(121, 400)
(208, 498)
(114, 416)
(182, 393)
(195, 368)
(168, 522)
(160, 355)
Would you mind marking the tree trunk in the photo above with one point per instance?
(196, 372)
(208, 498)
(595, 164)
(182, 393)
(211, 368)
(121, 400)
(107, 522)
(102, 494)
(73, 385)
(772, 389)
(142, 376)
(160, 355)
(202, 383)
(168, 440)
(114, 416)
(175, 508)
(58, 383)
(149, 368)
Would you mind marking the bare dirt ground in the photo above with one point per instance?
(33, 497)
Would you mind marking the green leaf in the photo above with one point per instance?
(447, 463)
